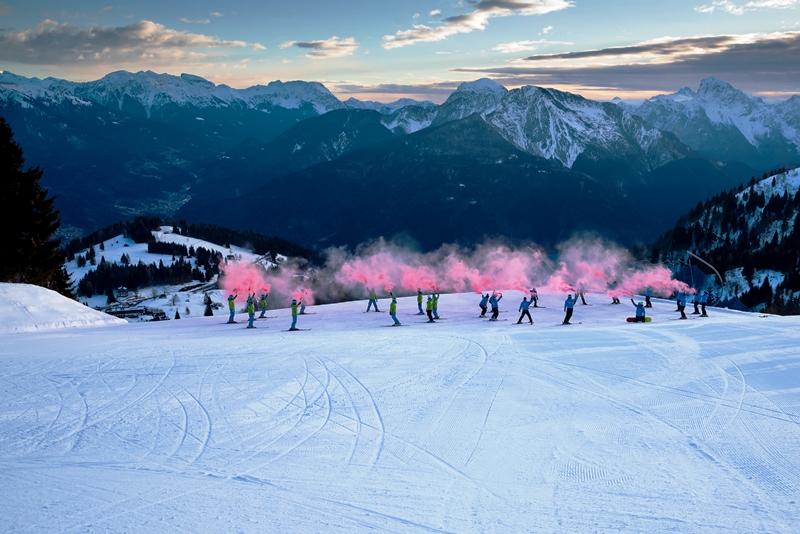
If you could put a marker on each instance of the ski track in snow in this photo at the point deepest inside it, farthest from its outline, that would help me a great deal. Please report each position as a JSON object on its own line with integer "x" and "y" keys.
{"x": 673, "y": 425}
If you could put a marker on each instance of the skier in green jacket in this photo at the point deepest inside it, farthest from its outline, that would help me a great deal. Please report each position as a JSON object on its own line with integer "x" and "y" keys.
{"x": 393, "y": 310}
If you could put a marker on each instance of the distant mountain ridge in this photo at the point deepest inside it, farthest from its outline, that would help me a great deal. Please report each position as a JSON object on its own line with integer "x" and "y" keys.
{"x": 152, "y": 144}
{"x": 724, "y": 123}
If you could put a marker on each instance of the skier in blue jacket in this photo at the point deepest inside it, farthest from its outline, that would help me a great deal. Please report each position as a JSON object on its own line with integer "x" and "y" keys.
{"x": 569, "y": 304}
{"x": 484, "y": 304}
{"x": 682, "y": 304}
{"x": 640, "y": 314}
{"x": 523, "y": 307}
{"x": 703, "y": 301}
{"x": 494, "y": 300}
{"x": 647, "y": 294}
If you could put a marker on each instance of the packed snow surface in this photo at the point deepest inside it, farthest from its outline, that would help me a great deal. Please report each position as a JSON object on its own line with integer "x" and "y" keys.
{"x": 463, "y": 425}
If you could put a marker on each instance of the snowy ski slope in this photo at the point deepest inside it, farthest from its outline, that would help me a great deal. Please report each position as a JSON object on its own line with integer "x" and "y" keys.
{"x": 460, "y": 426}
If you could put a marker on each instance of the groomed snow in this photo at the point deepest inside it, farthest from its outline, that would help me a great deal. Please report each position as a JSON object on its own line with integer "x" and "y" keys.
{"x": 459, "y": 426}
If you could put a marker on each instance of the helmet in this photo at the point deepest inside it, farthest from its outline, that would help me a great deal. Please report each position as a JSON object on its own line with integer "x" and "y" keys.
{"x": 230, "y": 297}
{"x": 569, "y": 296}
{"x": 640, "y": 304}
{"x": 294, "y": 301}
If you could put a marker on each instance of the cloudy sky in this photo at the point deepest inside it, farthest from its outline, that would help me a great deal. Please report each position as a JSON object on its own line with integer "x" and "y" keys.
{"x": 423, "y": 49}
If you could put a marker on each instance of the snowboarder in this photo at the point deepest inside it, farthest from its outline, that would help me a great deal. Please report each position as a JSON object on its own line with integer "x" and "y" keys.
{"x": 494, "y": 301}
{"x": 436, "y": 305}
{"x": 429, "y": 309}
{"x": 523, "y": 307}
{"x": 647, "y": 294}
{"x": 373, "y": 299}
{"x": 569, "y": 304}
{"x": 419, "y": 302}
{"x": 640, "y": 314}
{"x": 251, "y": 310}
{"x": 703, "y": 301}
{"x": 232, "y": 307}
{"x": 263, "y": 304}
{"x": 483, "y": 304}
{"x": 393, "y": 309}
{"x": 294, "y": 315}
{"x": 534, "y": 297}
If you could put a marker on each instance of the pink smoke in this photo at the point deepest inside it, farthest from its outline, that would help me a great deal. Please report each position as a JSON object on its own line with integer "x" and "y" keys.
{"x": 243, "y": 280}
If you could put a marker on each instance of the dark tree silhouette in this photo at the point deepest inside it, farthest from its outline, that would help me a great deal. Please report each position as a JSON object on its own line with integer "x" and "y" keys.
{"x": 31, "y": 255}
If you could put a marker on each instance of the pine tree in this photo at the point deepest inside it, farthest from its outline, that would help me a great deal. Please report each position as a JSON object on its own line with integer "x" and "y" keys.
{"x": 31, "y": 255}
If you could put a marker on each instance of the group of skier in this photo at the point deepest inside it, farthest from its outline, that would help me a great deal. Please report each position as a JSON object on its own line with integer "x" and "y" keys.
{"x": 298, "y": 305}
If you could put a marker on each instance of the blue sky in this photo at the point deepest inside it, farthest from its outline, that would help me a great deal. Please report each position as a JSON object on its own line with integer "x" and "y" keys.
{"x": 418, "y": 48}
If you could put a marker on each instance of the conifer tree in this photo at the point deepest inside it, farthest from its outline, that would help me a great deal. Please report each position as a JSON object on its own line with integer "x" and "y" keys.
{"x": 31, "y": 255}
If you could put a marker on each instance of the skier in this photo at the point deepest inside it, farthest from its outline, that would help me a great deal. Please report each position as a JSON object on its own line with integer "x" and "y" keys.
{"x": 494, "y": 301}
{"x": 429, "y": 309}
{"x": 436, "y": 305}
{"x": 523, "y": 307}
{"x": 569, "y": 304}
{"x": 678, "y": 296}
{"x": 696, "y": 302}
{"x": 263, "y": 304}
{"x": 303, "y": 302}
{"x": 581, "y": 291}
{"x": 373, "y": 299}
{"x": 682, "y": 304}
{"x": 647, "y": 294}
{"x": 251, "y": 310}
{"x": 484, "y": 302}
{"x": 232, "y": 307}
{"x": 612, "y": 289}
{"x": 534, "y": 297}
{"x": 419, "y": 302}
{"x": 703, "y": 301}
{"x": 393, "y": 310}
{"x": 294, "y": 315}
{"x": 640, "y": 314}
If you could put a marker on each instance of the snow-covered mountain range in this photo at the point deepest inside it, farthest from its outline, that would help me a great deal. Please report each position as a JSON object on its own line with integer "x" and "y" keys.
{"x": 145, "y": 143}
{"x": 724, "y": 123}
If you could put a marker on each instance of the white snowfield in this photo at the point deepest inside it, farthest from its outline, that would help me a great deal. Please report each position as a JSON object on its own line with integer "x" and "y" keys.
{"x": 27, "y": 308}
{"x": 460, "y": 426}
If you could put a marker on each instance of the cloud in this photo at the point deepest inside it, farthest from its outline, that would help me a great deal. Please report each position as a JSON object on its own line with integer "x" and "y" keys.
{"x": 477, "y": 19}
{"x": 328, "y": 48}
{"x": 52, "y": 43}
{"x": 435, "y": 13}
{"x": 547, "y": 30}
{"x": 215, "y": 14}
{"x": 727, "y": 6}
{"x": 189, "y": 21}
{"x": 753, "y": 62}
{"x": 434, "y": 91}
{"x": 525, "y": 46}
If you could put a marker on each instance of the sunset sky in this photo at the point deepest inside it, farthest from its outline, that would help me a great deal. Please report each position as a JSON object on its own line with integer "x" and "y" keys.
{"x": 422, "y": 49}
